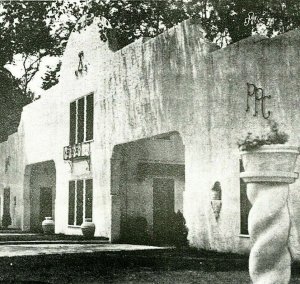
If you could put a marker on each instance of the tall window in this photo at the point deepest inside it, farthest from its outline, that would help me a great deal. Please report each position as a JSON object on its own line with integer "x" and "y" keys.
{"x": 82, "y": 119}
{"x": 80, "y": 201}
{"x": 244, "y": 204}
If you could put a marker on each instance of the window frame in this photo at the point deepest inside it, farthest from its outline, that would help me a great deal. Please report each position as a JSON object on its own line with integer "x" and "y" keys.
{"x": 83, "y": 201}
{"x": 84, "y": 119}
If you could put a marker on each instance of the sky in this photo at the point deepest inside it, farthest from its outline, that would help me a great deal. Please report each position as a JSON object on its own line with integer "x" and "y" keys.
{"x": 35, "y": 85}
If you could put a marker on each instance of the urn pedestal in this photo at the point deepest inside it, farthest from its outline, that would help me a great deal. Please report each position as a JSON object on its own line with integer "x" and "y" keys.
{"x": 268, "y": 173}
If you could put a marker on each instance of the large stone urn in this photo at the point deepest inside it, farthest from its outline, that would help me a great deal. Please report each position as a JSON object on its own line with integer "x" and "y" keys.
{"x": 48, "y": 226}
{"x": 88, "y": 228}
{"x": 268, "y": 172}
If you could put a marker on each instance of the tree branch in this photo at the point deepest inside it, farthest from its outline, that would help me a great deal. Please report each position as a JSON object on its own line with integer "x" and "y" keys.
{"x": 29, "y": 71}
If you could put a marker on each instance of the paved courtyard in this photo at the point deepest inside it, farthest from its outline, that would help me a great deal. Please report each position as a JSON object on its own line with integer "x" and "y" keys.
{"x": 63, "y": 248}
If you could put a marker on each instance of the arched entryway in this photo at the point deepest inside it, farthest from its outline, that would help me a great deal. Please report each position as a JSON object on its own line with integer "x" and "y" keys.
{"x": 147, "y": 188}
{"x": 39, "y": 194}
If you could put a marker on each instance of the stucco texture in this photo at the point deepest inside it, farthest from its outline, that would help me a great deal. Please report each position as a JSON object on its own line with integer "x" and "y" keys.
{"x": 178, "y": 82}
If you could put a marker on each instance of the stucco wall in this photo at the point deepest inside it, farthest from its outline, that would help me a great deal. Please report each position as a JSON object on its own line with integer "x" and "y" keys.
{"x": 11, "y": 162}
{"x": 175, "y": 82}
{"x": 168, "y": 84}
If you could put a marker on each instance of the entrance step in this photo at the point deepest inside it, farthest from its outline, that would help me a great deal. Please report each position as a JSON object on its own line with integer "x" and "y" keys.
{"x": 19, "y": 237}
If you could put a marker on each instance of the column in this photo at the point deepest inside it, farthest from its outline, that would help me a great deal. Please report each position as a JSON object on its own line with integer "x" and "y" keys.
{"x": 269, "y": 226}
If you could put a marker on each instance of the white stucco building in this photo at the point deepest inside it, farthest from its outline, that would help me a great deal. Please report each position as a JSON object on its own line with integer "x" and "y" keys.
{"x": 150, "y": 129}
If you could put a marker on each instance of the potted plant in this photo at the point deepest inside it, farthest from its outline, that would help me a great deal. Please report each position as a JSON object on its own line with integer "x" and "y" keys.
{"x": 267, "y": 155}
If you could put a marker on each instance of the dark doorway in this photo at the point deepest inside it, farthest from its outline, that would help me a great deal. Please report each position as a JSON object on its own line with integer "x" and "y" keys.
{"x": 163, "y": 209}
{"x": 138, "y": 168}
{"x": 6, "y": 218}
{"x": 45, "y": 203}
{"x": 39, "y": 188}
{"x": 6, "y": 201}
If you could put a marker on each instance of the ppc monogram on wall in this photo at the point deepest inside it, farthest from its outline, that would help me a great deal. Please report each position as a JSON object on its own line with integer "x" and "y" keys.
{"x": 259, "y": 97}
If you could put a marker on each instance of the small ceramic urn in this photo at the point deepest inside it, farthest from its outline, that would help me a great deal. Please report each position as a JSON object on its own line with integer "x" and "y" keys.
{"x": 48, "y": 226}
{"x": 88, "y": 228}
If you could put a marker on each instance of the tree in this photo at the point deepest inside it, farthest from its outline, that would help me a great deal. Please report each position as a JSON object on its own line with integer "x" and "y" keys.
{"x": 11, "y": 104}
{"x": 31, "y": 29}
{"x": 51, "y": 77}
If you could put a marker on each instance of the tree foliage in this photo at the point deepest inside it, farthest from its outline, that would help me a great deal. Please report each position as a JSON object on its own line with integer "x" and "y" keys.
{"x": 51, "y": 76}
{"x": 33, "y": 30}
{"x": 11, "y": 103}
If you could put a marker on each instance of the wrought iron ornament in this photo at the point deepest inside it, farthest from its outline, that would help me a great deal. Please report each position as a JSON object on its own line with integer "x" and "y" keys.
{"x": 259, "y": 96}
{"x": 80, "y": 151}
{"x": 81, "y": 67}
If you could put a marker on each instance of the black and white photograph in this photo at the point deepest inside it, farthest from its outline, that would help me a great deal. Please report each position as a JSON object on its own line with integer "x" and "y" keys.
{"x": 150, "y": 141}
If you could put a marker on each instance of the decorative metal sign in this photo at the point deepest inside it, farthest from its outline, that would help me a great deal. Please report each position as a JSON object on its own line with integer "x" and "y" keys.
{"x": 77, "y": 152}
{"x": 259, "y": 97}
{"x": 80, "y": 150}
{"x": 81, "y": 67}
